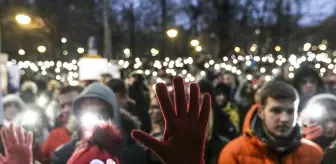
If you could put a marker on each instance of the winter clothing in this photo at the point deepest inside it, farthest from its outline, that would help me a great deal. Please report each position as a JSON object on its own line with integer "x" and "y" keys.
{"x": 223, "y": 89}
{"x": 132, "y": 154}
{"x": 56, "y": 138}
{"x": 329, "y": 156}
{"x": 307, "y": 71}
{"x": 226, "y": 122}
{"x": 321, "y": 104}
{"x": 140, "y": 93}
{"x": 241, "y": 97}
{"x": 64, "y": 152}
{"x": 15, "y": 100}
{"x": 28, "y": 92}
{"x": 104, "y": 93}
{"x": 243, "y": 100}
{"x": 206, "y": 87}
{"x": 95, "y": 90}
{"x": 255, "y": 147}
{"x": 105, "y": 145}
{"x": 7, "y": 100}
{"x": 226, "y": 116}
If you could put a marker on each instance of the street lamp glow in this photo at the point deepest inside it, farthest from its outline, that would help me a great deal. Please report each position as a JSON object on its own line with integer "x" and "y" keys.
{"x": 194, "y": 43}
{"x": 23, "y": 19}
{"x": 257, "y": 31}
{"x": 253, "y": 49}
{"x": 322, "y": 47}
{"x": 80, "y": 50}
{"x": 237, "y": 49}
{"x": 306, "y": 46}
{"x": 41, "y": 49}
{"x": 172, "y": 33}
{"x": 277, "y": 48}
{"x": 64, "y": 40}
{"x": 21, "y": 52}
{"x": 127, "y": 52}
{"x": 65, "y": 52}
{"x": 154, "y": 51}
{"x": 198, "y": 48}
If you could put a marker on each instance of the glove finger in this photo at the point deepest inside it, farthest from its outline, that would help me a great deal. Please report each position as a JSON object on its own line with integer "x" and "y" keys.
{"x": 167, "y": 108}
{"x": 21, "y": 137}
{"x": 312, "y": 129}
{"x": 5, "y": 138}
{"x": 2, "y": 159}
{"x": 194, "y": 101}
{"x": 206, "y": 107}
{"x": 180, "y": 97}
{"x": 148, "y": 141}
{"x": 29, "y": 139}
{"x": 12, "y": 134}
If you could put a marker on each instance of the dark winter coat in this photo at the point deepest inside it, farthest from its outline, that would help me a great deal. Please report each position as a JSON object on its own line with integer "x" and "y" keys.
{"x": 302, "y": 72}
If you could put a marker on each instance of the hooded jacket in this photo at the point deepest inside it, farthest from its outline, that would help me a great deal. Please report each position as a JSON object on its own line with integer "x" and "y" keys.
{"x": 251, "y": 148}
{"x": 121, "y": 118}
{"x": 329, "y": 157}
{"x": 316, "y": 108}
{"x": 302, "y": 72}
{"x": 104, "y": 93}
{"x": 13, "y": 99}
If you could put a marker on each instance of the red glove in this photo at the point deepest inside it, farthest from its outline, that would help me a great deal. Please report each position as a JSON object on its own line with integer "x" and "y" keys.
{"x": 185, "y": 126}
{"x": 18, "y": 146}
{"x": 105, "y": 145}
{"x": 312, "y": 131}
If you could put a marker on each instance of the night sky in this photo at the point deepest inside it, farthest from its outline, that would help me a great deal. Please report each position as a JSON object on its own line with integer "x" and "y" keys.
{"x": 315, "y": 11}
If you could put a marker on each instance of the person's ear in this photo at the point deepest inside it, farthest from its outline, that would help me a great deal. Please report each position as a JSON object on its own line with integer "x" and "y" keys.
{"x": 261, "y": 112}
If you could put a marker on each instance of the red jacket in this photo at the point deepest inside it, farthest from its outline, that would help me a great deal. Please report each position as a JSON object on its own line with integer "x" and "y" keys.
{"x": 56, "y": 138}
{"x": 248, "y": 148}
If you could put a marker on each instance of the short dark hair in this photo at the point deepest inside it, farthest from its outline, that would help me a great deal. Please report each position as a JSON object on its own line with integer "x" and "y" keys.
{"x": 117, "y": 86}
{"x": 68, "y": 89}
{"x": 279, "y": 91}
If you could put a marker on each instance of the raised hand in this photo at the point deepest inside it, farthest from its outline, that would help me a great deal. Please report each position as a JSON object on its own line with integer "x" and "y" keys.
{"x": 312, "y": 131}
{"x": 18, "y": 146}
{"x": 185, "y": 126}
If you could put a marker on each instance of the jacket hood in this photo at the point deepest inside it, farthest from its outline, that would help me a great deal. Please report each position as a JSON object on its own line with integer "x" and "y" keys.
{"x": 305, "y": 71}
{"x": 14, "y": 99}
{"x": 327, "y": 100}
{"x": 252, "y": 128}
{"x": 104, "y": 93}
{"x": 322, "y": 102}
{"x": 240, "y": 98}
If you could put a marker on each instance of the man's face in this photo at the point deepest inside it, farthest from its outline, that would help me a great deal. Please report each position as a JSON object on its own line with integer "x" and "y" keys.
{"x": 329, "y": 124}
{"x": 220, "y": 99}
{"x": 122, "y": 100}
{"x": 65, "y": 101}
{"x": 94, "y": 105}
{"x": 11, "y": 111}
{"x": 279, "y": 118}
{"x": 229, "y": 80}
{"x": 308, "y": 86}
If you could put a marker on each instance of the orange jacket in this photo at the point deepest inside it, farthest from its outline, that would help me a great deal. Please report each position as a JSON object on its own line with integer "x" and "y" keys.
{"x": 249, "y": 149}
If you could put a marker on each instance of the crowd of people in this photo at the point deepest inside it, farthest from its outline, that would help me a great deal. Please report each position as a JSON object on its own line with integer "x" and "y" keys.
{"x": 221, "y": 119}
